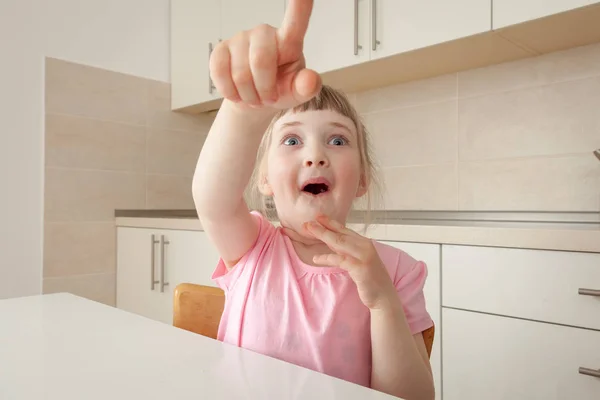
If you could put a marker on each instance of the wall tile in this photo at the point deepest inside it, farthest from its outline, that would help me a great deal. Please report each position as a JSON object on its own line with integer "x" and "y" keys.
{"x": 81, "y": 195}
{"x": 78, "y": 142}
{"x": 421, "y": 188}
{"x": 408, "y": 94}
{"x": 169, "y": 191}
{"x": 569, "y": 183}
{"x": 173, "y": 152}
{"x": 565, "y": 65}
{"x": 418, "y": 135}
{"x": 78, "y": 248}
{"x": 82, "y": 90}
{"x": 96, "y": 287}
{"x": 549, "y": 120}
{"x": 161, "y": 116}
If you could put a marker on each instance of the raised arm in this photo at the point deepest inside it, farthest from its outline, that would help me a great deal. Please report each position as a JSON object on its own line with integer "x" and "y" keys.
{"x": 258, "y": 72}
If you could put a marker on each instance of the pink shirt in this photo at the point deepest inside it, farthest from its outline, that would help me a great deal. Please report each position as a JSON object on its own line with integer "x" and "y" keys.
{"x": 311, "y": 316}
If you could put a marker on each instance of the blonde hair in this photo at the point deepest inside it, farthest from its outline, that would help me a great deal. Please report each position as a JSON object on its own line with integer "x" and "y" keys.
{"x": 333, "y": 100}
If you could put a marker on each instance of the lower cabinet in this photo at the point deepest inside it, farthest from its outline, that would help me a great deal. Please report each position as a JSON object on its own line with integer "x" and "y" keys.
{"x": 498, "y": 358}
{"x": 430, "y": 255}
{"x": 152, "y": 262}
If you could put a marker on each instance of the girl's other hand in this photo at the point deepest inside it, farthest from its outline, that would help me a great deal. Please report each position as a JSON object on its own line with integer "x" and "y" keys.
{"x": 265, "y": 66}
{"x": 357, "y": 255}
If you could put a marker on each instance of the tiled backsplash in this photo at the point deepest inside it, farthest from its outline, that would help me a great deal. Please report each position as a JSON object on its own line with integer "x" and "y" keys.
{"x": 111, "y": 142}
{"x": 515, "y": 136}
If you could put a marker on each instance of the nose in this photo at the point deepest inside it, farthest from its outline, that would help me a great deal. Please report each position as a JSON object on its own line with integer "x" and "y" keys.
{"x": 316, "y": 158}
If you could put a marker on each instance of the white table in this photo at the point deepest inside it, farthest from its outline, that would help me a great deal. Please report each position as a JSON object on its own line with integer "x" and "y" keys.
{"x": 65, "y": 347}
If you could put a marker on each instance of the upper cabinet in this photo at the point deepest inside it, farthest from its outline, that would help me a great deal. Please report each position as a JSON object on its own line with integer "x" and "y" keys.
{"x": 195, "y": 29}
{"x": 239, "y": 15}
{"x": 337, "y": 35}
{"x": 364, "y": 44}
{"x": 511, "y": 12}
{"x": 398, "y": 26}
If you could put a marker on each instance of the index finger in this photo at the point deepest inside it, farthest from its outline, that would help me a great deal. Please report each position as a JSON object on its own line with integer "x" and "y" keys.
{"x": 295, "y": 21}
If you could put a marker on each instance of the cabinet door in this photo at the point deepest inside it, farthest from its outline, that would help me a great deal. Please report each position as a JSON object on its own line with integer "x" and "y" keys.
{"x": 337, "y": 35}
{"x": 135, "y": 250}
{"x": 497, "y": 358}
{"x": 195, "y": 29}
{"x": 405, "y": 25}
{"x": 239, "y": 15}
{"x": 189, "y": 257}
{"x": 510, "y": 12}
{"x": 430, "y": 255}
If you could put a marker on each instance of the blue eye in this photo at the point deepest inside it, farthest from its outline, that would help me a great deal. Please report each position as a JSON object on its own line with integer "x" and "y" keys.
{"x": 338, "y": 141}
{"x": 291, "y": 141}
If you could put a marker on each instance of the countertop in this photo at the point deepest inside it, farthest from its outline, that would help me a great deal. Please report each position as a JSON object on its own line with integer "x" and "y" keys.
{"x": 569, "y": 231}
{"x": 61, "y": 346}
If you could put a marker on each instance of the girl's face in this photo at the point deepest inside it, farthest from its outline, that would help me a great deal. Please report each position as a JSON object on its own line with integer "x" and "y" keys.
{"x": 313, "y": 166}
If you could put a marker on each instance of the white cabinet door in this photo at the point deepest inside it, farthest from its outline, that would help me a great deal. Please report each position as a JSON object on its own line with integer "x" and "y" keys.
{"x": 240, "y": 15}
{"x": 499, "y": 358}
{"x": 135, "y": 270}
{"x": 195, "y": 29}
{"x": 338, "y": 35}
{"x": 541, "y": 285}
{"x": 405, "y": 25}
{"x": 430, "y": 255}
{"x": 179, "y": 257}
{"x": 510, "y": 12}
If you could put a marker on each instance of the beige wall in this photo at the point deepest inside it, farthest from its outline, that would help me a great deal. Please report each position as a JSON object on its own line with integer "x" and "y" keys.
{"x": 516, "y": 136}
{"x": 111, "y": 142}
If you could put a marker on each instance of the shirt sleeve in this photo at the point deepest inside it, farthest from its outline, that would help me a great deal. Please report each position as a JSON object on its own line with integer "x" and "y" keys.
{"x": 226, "y": 279}
{"x": 409, "y": 282}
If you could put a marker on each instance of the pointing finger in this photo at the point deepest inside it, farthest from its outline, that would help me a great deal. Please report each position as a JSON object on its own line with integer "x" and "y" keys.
{"x": 295, "y": 21}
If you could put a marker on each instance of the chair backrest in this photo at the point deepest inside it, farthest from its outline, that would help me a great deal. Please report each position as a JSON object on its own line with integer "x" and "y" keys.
{"x": 198, "y": 308}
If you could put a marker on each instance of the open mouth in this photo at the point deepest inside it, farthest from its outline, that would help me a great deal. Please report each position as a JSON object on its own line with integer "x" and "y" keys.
{"x": 315, "y": 188}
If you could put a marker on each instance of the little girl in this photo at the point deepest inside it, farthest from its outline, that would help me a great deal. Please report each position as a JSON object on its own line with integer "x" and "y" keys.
{"x": 311, "y": 292}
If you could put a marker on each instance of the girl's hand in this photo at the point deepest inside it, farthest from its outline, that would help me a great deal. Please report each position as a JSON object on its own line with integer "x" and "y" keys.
{"x": 357, "y": 255}
{"x": 265, "y": 66}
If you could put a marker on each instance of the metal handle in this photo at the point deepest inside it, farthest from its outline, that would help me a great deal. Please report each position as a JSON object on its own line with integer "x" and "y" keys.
{"x": 591, "y": 372}
{"x": 589, "y": 292}
{"x": 163, "y": 243}
{"x": 356, "y": 45}
{"x": 374, "y": 40}
{"x": 152, "y": 261}
{"x": 211, "y": 86}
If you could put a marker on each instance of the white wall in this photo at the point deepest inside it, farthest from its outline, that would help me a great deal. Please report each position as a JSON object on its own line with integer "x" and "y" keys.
{"x": 130, "y": 36}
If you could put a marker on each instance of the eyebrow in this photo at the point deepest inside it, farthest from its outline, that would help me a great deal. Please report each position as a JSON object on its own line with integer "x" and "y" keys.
{"x": 335, "y": 124}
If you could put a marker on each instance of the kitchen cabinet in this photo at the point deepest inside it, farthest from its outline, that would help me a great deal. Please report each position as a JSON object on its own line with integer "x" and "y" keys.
{"x": 541, "y": 285}
{"x": 511, "y": 12}
{"x": 430, "y": 255}
{"x": 338, "y": 35}
{"x": 239, "y": 15}
{"x": 399, "y": 26}
{"x": 195, "y": 30}
{"x": 497, "y": 358}
{"x": 152, "y": 262}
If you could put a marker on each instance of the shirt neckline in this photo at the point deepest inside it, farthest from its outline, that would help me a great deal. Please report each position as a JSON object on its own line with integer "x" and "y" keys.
{"x": 313, "y": 269}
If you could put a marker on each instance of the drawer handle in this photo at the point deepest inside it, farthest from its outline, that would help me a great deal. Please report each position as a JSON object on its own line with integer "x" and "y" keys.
{"x": 589, "y": 292}
{"x": 591, "y": 372}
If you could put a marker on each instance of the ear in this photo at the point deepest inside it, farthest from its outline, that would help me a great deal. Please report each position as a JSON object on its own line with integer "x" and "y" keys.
{"x": 264, "y": 187}
{"x": 363, "y": 185}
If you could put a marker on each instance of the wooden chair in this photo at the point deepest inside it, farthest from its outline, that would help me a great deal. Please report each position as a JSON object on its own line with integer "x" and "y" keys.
{"x": 198, "y": 309}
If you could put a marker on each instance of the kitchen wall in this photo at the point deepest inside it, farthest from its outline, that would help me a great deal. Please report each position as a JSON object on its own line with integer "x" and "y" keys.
{"x": 125, "y": 36}
{"x": 515, "y": 136}
{"x": 112, "y": 142}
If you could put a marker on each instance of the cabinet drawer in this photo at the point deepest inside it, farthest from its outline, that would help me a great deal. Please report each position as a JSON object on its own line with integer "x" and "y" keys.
{"x": 496, "y": 358}
{"x": 533, "y": 284}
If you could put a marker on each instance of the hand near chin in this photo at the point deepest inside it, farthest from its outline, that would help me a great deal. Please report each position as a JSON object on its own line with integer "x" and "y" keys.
{"x": 357, "y": 255}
